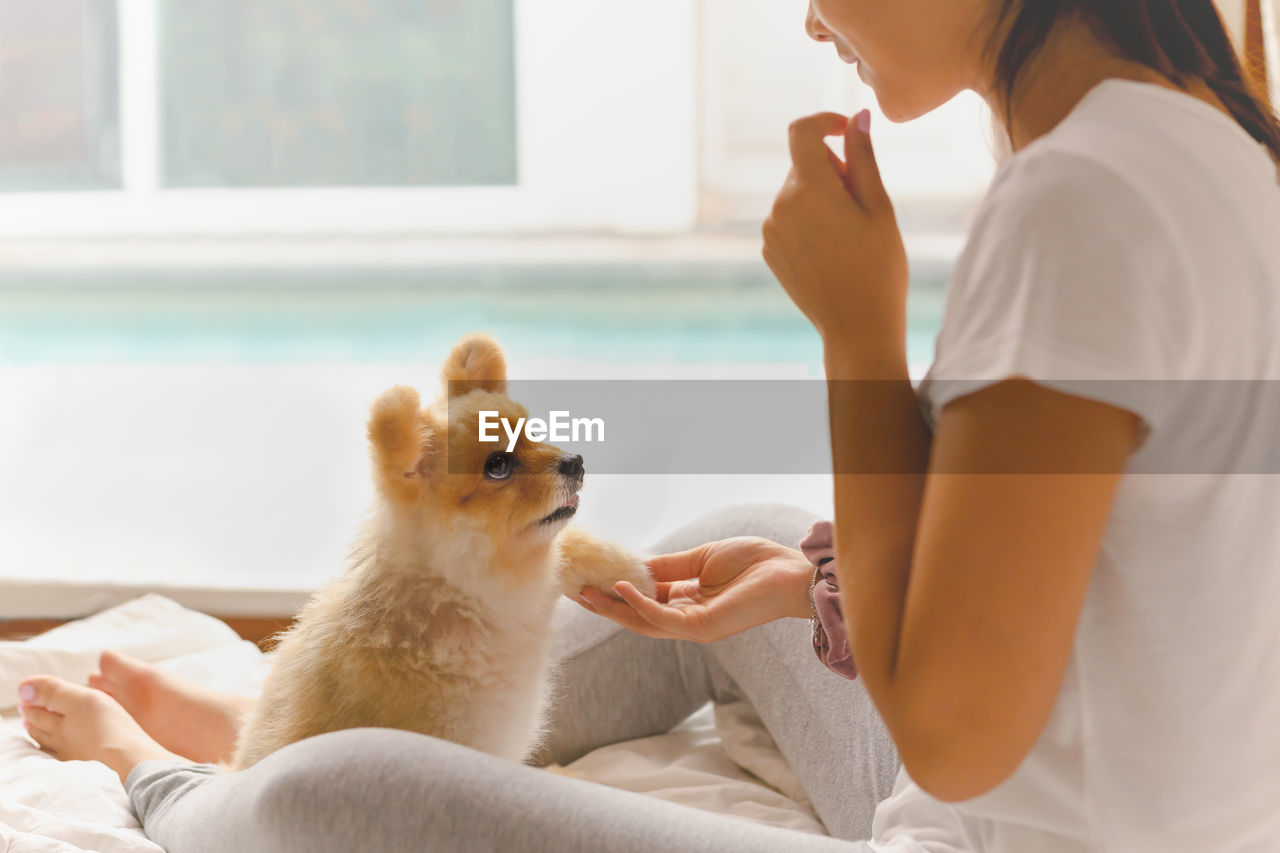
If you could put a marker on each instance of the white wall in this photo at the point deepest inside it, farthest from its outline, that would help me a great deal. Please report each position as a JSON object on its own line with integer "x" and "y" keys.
{"x": 761, "y": 71}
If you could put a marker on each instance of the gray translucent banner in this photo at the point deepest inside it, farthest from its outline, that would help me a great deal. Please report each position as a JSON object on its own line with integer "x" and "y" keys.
{"x": 781, "y": 427}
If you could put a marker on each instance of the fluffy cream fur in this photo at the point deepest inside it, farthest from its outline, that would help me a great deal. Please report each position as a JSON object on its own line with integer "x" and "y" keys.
{"x": 441, "y": 623}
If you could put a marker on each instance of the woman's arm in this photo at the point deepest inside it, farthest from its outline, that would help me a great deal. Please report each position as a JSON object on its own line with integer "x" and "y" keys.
{"x": 961, "y": 590}
{"x": 962, "y": 566}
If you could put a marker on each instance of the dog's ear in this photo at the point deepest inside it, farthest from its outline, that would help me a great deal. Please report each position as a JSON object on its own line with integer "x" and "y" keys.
{"x": 401, "y": 435}
{"x": 475, "y": 363}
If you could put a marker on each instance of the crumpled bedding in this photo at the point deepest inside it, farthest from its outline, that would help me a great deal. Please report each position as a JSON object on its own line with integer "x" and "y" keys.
{"x": 720, "y": 759}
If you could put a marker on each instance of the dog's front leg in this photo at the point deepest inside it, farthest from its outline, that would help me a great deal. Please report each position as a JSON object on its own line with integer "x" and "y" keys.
{"x": 587, "y": 561}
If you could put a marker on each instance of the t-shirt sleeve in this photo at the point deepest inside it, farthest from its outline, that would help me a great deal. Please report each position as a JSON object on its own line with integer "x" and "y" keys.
{"x": 1069, "y": 279}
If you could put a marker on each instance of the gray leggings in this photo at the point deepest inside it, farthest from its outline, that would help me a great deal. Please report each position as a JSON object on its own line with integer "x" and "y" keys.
{"x": 389, "y": 790}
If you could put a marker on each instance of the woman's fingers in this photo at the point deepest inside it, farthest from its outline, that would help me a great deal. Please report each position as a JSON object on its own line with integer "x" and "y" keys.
{"x": 862, "y": 176}
{"x": 809, "y": 152}
{"x": 837, "y": 164}
{"x": 643, "y": 615}
{"x": 622, "y": 613}
{"x": 678, "y": 566}
{"x": 671, "y": 620}
{"x": 662, "y": 590}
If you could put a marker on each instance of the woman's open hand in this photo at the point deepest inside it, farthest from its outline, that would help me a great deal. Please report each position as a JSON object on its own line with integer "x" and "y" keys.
{"x": 712, "y": 591}
{"x": 832, "y": 239}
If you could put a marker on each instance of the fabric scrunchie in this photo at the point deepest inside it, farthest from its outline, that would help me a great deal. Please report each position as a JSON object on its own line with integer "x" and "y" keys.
{"x": 830, "y": 637}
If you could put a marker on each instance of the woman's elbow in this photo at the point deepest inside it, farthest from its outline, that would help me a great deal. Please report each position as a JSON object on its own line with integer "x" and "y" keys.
{"x": 953, "y": 762}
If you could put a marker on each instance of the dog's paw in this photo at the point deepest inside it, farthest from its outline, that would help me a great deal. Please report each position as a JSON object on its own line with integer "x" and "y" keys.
{"x": 586, "y": 561}
{"x": 631, "y": 569}
{"x": 639, "y": 576}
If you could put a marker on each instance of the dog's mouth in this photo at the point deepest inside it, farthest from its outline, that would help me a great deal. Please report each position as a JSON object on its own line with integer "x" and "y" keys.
{"x": 564, "y": 511}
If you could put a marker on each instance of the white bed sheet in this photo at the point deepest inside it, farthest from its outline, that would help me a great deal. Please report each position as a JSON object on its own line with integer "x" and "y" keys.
{"x": 721, "y": 759}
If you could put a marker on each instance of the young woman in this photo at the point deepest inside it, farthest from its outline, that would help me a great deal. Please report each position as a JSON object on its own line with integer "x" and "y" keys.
{"x": 1058, "y": 563}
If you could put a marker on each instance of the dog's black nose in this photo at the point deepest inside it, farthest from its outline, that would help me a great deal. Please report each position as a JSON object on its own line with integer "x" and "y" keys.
{"x": 571, "y": 466}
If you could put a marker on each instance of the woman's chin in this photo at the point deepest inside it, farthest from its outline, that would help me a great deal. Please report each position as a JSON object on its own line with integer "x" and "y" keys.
{"x": 882, "y": 100}
{"x": 895, "y": 108}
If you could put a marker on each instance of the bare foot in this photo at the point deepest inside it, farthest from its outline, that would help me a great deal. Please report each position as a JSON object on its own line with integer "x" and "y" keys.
{"x": 194, "y": 722}
{"x": 75, "y": 723}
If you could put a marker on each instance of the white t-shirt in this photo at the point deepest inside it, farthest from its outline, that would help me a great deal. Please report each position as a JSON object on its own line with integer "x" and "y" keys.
{"x": 1131, "y": 250}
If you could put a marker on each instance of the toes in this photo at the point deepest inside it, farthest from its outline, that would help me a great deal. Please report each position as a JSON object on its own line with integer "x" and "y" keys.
{"x": 42, "y": 738}
{"x": 52, "y": 693}
{"x": 124, "y": 677}
{"x": 45, "y": 691}
{"x": 115, "y": 666}
{"x": 43, "y": 726}
{"x": 40, "y": 718}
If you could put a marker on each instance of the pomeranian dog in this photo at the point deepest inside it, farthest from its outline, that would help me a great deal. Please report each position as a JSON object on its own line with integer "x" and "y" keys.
{"x": 441, "y": 623}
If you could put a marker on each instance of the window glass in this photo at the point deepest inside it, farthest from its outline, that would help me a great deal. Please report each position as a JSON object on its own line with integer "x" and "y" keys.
{"x": 288, "y": 93}
{"x": 59, "y": 108}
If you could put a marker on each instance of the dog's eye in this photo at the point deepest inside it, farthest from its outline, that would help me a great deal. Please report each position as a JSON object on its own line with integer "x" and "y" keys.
{"x": 499, "y": 466}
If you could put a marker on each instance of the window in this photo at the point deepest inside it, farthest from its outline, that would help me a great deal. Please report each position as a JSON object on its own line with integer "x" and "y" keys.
{"x": 59, "y": 116}
{"x": 287, "y": 93}
{"x": 323, "y": 116}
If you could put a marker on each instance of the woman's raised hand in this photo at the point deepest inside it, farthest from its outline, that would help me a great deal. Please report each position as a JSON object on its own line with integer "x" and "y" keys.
{"x": 832, "y": 239}
{"x": 712, "y": 591}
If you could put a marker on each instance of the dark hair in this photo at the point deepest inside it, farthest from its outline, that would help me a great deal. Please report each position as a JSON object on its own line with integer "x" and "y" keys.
{"x": 1184, "y": 40}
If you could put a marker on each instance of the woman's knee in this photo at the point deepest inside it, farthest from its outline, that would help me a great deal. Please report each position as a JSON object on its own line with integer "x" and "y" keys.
{"x": 347, "y": 790}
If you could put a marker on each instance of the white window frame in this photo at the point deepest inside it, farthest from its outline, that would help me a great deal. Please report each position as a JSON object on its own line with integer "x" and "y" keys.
{"x": 606, "y": 140}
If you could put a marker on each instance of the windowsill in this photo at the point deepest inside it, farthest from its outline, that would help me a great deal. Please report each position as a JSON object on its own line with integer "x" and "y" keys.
{"x": 24, "y": 599}
{"x": 338, "y": 251}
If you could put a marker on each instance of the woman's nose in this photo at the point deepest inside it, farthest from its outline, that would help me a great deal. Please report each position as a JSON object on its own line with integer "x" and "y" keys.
{"x": 814, "y": 27}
